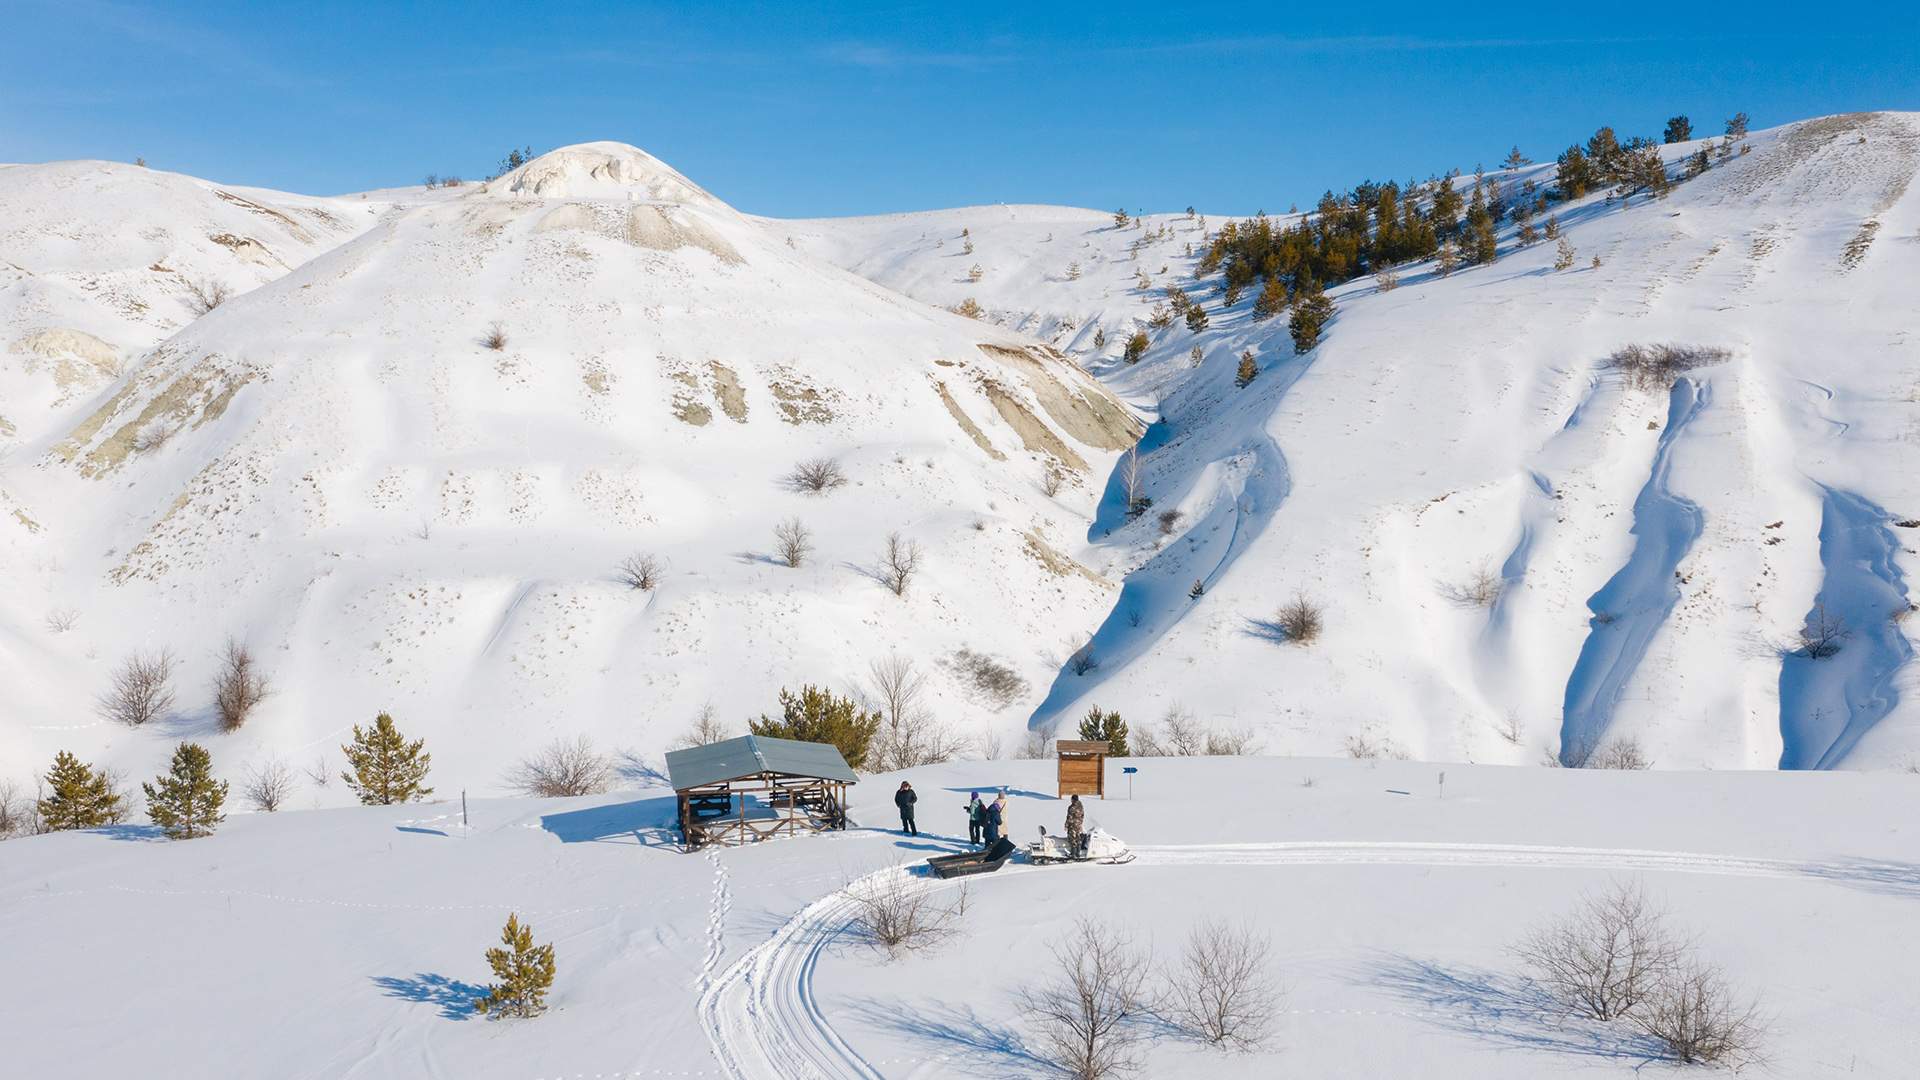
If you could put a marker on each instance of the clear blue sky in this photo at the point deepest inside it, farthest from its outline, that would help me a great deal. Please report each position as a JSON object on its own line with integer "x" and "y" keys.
{"x": 798, "y": 110}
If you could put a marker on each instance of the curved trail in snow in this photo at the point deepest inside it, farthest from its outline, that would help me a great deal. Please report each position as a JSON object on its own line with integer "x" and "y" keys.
{"x": 764, "y": 1021}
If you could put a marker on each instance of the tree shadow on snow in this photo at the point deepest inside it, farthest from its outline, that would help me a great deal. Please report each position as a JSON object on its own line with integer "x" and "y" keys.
{"x": 133, "y": 833}
{"x": 1500, "y": 1008}
{"x": 453, "y": 997}
{"x": 644, "y": 822}
{"x": 1872, "y": 875}
{"x": 959, "y": 1035}
{"x": 1267, "y": 630}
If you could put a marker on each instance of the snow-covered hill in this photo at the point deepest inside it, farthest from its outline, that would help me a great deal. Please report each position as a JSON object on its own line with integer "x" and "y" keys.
{"x": 1656, "y": 554}
{"x": 340, "y": 469}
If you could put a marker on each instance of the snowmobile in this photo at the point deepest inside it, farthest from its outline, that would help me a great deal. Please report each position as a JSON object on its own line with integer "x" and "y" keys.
{"x": 1097, "y": 845}
{"x": 968, "y": 863}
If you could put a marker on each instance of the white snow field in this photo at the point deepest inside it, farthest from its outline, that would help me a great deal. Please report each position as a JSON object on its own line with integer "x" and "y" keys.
{"x": 348, "y": 942}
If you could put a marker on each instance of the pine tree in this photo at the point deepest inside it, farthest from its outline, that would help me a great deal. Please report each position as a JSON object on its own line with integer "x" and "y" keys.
{"x": 1679, "y": 129}
{"x": 186, "y": 802}
{"x": 1563, "y": 254}
{"x": 1574, "y": 176}
{"x": 1196, "y": 356}
{"x": 1482, "y": 241}
{"x": 1120, "y": 219}
{"x": 1515, "y": 159}
{"x": 1272, "y": 299}
{"x": 524, "y": 971}
{"x": 1230, "y": 293}
{"x": 817, "y": 715}
{"x": 1553, "y": 228}
{"x": 1737, "y": 126}
{"x": 1248, "y": 371}
{"x": 1136, "y": 347}
{"x": 1100, "y": 337}
{"x": 78, "y": 797}
{"x": 1698, "y": 163}
{"x": 1447, "y": 257}
{"x": 1311, "y": 311}
{"x": 976, "y": 273}
{"x": 1196, "y": 318}
{"x": 1073, "y": 271}
{"x": 966, "y": 248}
{"x": 1106, "y": 727}
{"x": 386, "y": 769}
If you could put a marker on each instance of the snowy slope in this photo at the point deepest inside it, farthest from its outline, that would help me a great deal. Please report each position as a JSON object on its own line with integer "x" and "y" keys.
{"x": 97, "y": 263}
{"x": 337, "y": 469}
{"x": 348, "y": 942}
{"x": 1468, "y": 423}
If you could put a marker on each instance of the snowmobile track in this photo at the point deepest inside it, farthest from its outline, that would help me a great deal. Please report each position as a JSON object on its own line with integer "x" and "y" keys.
{"x": 765, "y": 1023}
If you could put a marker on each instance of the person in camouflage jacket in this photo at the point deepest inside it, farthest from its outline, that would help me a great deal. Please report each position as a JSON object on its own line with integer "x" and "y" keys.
{"x": 1076, "y": 824}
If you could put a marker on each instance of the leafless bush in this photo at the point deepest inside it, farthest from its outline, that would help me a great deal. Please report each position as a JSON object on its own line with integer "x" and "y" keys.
{"x": 1695, "y": 1015}
{"x": 707, "y": 729}
{"x": 1621, "y": 752}
{"x": 895, "y": 911}
{"x": 1050, "y": 482}
{"x": 1222, "y": 992}
{"x": 19, "y": 813}
{"x": 61, "y": 620}
{"x": 140, "y": 689}
{"x": 319, "y": 772}
{"x": 640, "y": 571}
{"x": 238, "y": 687}
{"x": 910, "y": 734}
{"x": 1481, "y": 589}
{"x": 899, "y": 559}
{"x": 992, "y": 682}
{"x": 1083, "y": 659}
{"x": 1824, "y": 632}
{"x": 1605, "y": 958}
{"x": 1088, "y": 1014}
{"x": 1510, "y": 728}
{"x": 1169, "y": 520}
{"x": 1387, "y": 277}
{"x": 495, "y": 338}
{"x": 267, "y": 785}
{"x": 156, "y": 434}
{"x": 1654, "y": 367}
{"x": 792, "y": 541}
{"x": 816, "y": 475}
{"x": 1037, "y": 746}
{"x": 204, "y": 296}
{"x": 1232, "y": 742}
{"x": 566, "y": 767}
{"x": 1300, "y": 620}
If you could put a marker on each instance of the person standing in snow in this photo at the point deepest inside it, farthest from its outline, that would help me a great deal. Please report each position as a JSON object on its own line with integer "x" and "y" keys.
{"x": 1076, "y": 821}
{"x": 976, "y": 819}
{"x": 904, "y": 799}
{"x": 996, "y": 819}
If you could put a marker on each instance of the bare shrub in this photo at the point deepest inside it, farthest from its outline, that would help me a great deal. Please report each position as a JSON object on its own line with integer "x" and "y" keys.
{"x": 267, "y": 785}
{"x": 1481, "y": 589}
{"x": 61, "y": 620}
{"x": 1694, "y": 1014}
{"x": 19, "y": 812}
{"x": 1169, "y": 520}
{"x": 1654, "y": 367}
{"x": 495, "y": 338}
{"x": 1824, "y": 632}
{"x": 319, "y": 772}
{"x": 1232, "y": 742}
{"x": 1083, "y": 659}
{"x": 564, "y": 768}
{"x": 141, "y": 690}
{"x": 707, "y": 729}
{"x": 1050, "y": 482}
{"x": 155, "y": 434}
{"x": 1088, "y": 1014}
{"x": 816, "y": 475}
{"x": 203, "y": 296}
{"x": 793, "y": 542}
{"x": 1222, "y": 991}
{"x": 895, "y": 911}
{"x": 239, "y": 686}
{"x": 640, "y": 571}
{"x": 992, "y": 682}
{"x": 1387, "y": 277}
{"x": 1300, "y": 620}
{"x": 1510, "y": 728}
{"x": 1037, "y": 746}
{"x": 899, "y": 560}
{"x": 1621, "y": 752}
{"x": 1606, "y": 957}
{"x": 910, "y": 734}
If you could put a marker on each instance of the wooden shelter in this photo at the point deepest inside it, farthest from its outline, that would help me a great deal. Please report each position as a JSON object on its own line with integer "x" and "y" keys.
{"x": 1083, "y": 767}
{"x": 756, "y": 787}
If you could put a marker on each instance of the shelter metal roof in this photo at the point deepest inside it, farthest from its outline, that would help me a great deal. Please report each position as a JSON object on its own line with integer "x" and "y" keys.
{"x": 751, "y": 755}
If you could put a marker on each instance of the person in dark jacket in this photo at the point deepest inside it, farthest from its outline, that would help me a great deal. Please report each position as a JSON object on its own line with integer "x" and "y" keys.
{"x": 976, "y": 819}
{"x": 996, "y": 819}
{"x": 1076, "y": 826}
{"x": 904, "y": 799}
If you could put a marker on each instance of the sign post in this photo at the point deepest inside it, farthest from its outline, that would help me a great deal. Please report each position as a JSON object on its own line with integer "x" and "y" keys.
{"x": 1129, "y": 771}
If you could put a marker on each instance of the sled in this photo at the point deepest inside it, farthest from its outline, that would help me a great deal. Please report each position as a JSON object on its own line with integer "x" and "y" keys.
{"x": 972, "y": 862}
{"x": 1096, "y": 846}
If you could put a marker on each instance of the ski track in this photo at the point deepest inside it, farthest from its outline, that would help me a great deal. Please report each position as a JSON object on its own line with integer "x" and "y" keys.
{"x": 765, "y": 1022}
